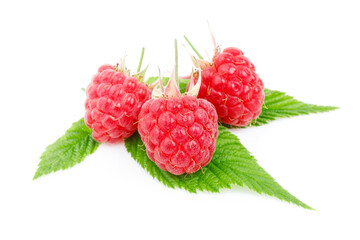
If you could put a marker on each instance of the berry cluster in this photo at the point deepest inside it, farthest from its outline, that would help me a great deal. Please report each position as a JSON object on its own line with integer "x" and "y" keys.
{"x": 179, "y": 130}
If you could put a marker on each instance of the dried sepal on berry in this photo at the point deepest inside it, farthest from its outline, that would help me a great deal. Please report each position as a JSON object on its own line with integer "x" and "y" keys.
{"x": 194, "y": 83}
{"x": 172, "y": 88}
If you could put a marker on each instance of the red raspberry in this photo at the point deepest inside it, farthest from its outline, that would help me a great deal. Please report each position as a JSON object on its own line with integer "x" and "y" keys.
{"x": 179, "y": 133}
{"x": 113, "y": 103}
{"x": 233, "y": 86}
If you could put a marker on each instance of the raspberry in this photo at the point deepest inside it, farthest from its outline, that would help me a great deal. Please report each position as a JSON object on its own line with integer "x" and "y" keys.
{"x": 113, "y": 103}
{"x": 179, "y": 133}
{"x": 233, "y": 86}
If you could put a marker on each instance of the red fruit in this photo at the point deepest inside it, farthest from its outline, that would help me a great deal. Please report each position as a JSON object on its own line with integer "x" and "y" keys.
{"x": 233, "y": 86}
{"x": 113, "y": 103}
{"x": 179, "y": 133}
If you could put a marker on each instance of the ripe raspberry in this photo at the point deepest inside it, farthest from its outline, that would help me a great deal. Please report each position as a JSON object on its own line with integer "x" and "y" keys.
{"x": 113, "y": 103}
{"x": 233, "y": 86}
{"x": 179, "y": 132}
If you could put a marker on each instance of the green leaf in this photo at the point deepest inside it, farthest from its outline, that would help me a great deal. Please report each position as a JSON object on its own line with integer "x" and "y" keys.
{"x": 182, "y": 85}
{"x": 279, "y": 105}
{"x": 276, "y": 105}
{"x": 141, "y": 75}
{"x": 151, "y": 80}
{"x": 231, "y": 165}
{"x": 68, "y": 150}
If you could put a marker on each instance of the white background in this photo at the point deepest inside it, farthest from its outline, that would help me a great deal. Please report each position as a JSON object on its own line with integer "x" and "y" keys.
{"x": 49, "y": 50}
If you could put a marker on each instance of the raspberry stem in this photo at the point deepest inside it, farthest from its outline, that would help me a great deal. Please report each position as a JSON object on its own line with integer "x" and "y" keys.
{"x": 193, "y": 48}
{"x": 176, "y": 64}
{"x": 141, "y": 59}
{"x": 212, "y": 36}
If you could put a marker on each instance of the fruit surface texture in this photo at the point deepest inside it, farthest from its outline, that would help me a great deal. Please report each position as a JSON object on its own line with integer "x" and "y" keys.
{"x": 233, "y": 86}
{"x": 179, "y": 133}
{"x": 113, "y": 104}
